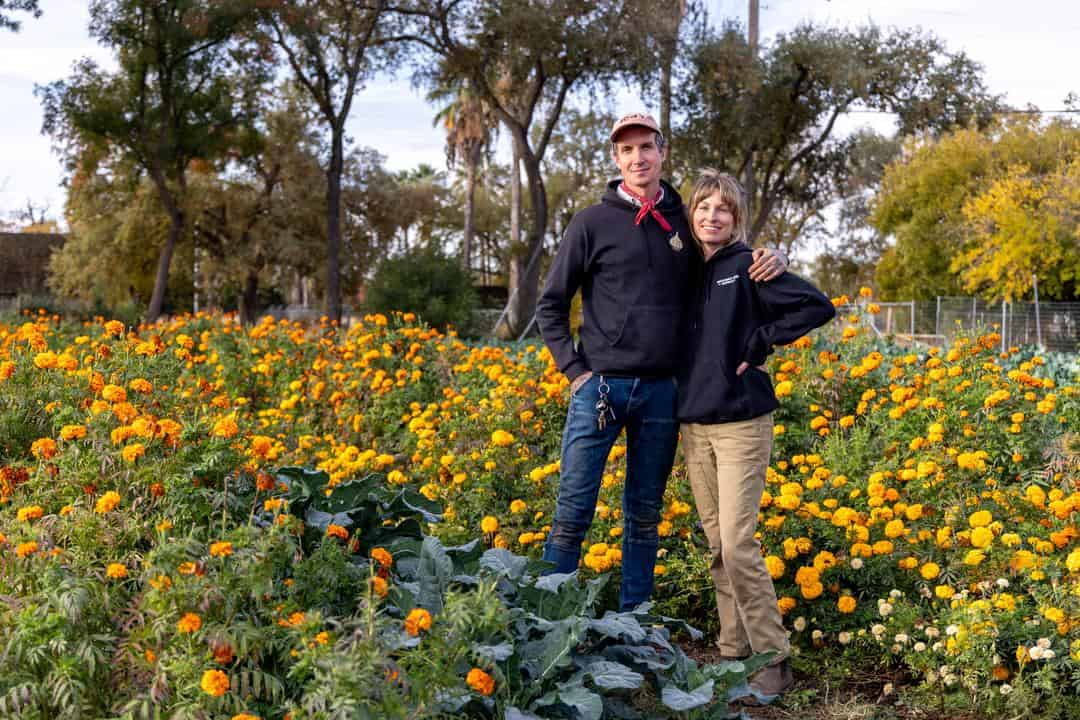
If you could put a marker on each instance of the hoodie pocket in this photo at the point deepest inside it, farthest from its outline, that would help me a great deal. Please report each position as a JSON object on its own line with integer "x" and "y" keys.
{"x": 649, "y": 337}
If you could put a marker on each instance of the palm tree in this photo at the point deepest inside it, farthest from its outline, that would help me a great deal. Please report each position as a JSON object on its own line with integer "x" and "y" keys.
{"x": 470, "y": 125}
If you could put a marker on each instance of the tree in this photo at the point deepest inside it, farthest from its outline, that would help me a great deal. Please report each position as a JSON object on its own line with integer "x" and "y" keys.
{"x": 939, "y": 249}
{"x": 776, "y": 115}
{"x": 169, "y": 103}
{"x": 524, "y": 58}
{"x": 9, "y": 6}
{"x": 470, "y": 125}
{"x": 330, "y": 47}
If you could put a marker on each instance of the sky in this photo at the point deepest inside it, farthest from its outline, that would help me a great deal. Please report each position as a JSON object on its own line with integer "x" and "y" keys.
{"x": 1029, "y": 52}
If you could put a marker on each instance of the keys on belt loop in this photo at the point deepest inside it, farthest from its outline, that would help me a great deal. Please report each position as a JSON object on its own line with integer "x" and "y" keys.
{"x": 603, "y": 407}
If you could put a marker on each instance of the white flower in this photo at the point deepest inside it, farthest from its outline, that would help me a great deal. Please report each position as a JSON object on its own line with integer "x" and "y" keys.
{"x": 884, "y": 609}
{"x": 1042, "y": 642}
{"x": 931, "y": 677}
{"x": 1036, "y": 652}
{"x": 844, "y": 638}
{"x": 878, "y": 630}
{"x": 1006, "y": 688}
{"x": 932, "y": 632}
{"x": 800, "y": 623}
{"x": 895, "y": 594}
{"x": 952, "y": 630}
{"x": 856, "y": 563}
{"x": 816, "y": 635}
{"x": 919, "y": 646}
{"x": 938, "y": 646}
{"x": 896, "y": 648}
{"x": 888, "y": 689}
{"x": 1003, "y": 583}
{"x": 950, "y": 679}
{"x": 1047, "y": 654}
{"x": 901, "y": 638}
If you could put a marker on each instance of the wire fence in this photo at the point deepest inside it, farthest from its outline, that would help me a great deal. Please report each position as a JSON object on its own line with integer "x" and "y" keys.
{"x": 1051, "y": 325}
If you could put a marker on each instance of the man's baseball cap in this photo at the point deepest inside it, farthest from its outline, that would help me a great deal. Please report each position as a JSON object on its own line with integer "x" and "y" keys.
{"x": 643, "y": 120}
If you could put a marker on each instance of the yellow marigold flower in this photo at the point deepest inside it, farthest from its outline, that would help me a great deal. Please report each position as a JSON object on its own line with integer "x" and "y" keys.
{"x": 189, "y": 623}
{"x": 944, "y": 592}
{"x": 337, "y": 531}
{"x": 981, "y": 518}
{"x": 29, "y": 513}
{"x": 116, "y": 571}
{"x": 107, "y": 502}
{"x": 221, "y": 549}
{"x": 775, "y": 566}
{"x": 489, "y": 524}
{"x": 930, "y": 570}
{"x": 133, "y": 452}
{"x": 518, "y": 506}
{"x": 215, "y": 683}
{"x": 846, "y": 604}
{"x": 417, "y": 621}
{"x": 114, "y": 393}
{"x": 783, "y": 389}
{"x": 480, "y": 681}
{"x": 1073, "y": 561}
{"x": 73, "y": 432}
{"x": 812, "y": 590}
{"x": 981, "y": 537}
{"x": 974, "y": 557}
{"x": 895, "y": 528}
{"x": 501, "y": 438}
{"x": 786, "y": 604}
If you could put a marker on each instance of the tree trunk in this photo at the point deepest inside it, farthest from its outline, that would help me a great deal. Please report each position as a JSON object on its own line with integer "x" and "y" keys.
{"x": 515, "y": 196}
{"x": 249, "y": 301}
{"x": 472, "y": 159}
{"x": 161, "y": 280}
{"x": 525, "y": 263}
{"x": 332, "y": 304}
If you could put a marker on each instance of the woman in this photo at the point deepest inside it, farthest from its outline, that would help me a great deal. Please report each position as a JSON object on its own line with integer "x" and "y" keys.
{"x": 725, "y": 407}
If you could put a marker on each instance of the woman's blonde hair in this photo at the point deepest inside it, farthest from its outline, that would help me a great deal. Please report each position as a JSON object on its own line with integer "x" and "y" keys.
{"x": 710, "y": 181}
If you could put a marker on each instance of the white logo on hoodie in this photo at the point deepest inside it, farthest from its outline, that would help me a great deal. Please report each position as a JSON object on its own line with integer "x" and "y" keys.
{"x": 727, "y": 280}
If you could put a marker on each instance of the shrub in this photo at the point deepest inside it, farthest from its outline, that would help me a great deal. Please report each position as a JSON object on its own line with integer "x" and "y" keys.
{"x": 426, "y": 282}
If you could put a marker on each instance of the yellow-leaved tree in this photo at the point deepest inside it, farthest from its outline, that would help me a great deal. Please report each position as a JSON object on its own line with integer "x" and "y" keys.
{"x": 1024, "y": 225}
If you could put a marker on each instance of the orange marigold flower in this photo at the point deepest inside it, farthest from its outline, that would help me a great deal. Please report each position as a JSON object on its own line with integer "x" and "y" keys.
{"x": 264, "y": 482}
{"x": 215, "y": 683}
{"x": 221, "y": 549}
{"x": 141, "y": 385}
{"x": 114, "y": 327}
{"x": 107, "y": 502}
{"x": 245, "y": 716}
{"x": 379, "y": 586}
{"x": 189, "y": 623}
{"x": 116, "y": 571}
{"x": 480, "y": 681}
{"x": 382, "y": 556}
{"x": 73, "y": 432}
{"x": 30, "y": 512}
{"x": 114, "y": 393}
{"x": 223, "y": 652}
{"x": 26, "y": 548}
{"x": 43, "y": 448}
{"x": 133, "y": 452}
{"x": 418, "y": 620}
{"x": 337, "y": 531}
{"x": 226, "y": 427}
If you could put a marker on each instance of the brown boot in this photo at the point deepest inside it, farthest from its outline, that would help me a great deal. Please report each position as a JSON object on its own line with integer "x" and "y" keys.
{"x": 773, "y": 680}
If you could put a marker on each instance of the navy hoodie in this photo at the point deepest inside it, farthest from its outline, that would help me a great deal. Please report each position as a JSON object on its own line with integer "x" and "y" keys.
{"x": 738, "y": 320}
{"x": 634, "y": 281}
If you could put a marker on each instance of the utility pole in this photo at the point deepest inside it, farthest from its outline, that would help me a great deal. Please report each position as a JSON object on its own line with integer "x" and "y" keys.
{"x": 752, "y": 43}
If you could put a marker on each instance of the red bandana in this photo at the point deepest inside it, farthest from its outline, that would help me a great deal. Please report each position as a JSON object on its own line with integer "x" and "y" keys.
{"x": 648, "y": 207}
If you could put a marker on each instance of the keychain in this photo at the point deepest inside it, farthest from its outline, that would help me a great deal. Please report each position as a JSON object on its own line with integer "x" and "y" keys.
{"x": 603, "y": 408}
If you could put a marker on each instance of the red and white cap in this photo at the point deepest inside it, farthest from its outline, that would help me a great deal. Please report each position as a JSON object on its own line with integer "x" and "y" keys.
{"x": 643, "y": 120}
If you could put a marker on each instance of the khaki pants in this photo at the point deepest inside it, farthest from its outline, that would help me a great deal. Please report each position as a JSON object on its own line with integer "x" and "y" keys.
{"x": 726, "y": 463}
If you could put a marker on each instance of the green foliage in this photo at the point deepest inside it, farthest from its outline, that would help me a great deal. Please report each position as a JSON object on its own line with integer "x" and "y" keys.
{"x": 981, "y": 210}
{"x": 425, "y": 282}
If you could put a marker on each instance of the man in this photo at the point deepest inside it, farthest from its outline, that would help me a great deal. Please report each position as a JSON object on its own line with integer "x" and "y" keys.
{"x": 633, "y": 258}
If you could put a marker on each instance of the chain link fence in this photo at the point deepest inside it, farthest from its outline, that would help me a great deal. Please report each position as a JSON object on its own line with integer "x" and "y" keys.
{"x": 1051, "y": 325}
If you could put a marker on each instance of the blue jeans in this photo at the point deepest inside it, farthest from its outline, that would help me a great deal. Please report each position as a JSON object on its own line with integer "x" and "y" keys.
{"x": 646, "y": 408}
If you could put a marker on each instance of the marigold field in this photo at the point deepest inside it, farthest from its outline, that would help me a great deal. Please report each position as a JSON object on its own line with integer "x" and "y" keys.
{"x": 204, "y": 520}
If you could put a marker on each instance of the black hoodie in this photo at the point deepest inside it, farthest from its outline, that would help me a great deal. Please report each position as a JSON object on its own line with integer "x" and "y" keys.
{"x": 738, "y": 320}
{"x": 634, "y": 281}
